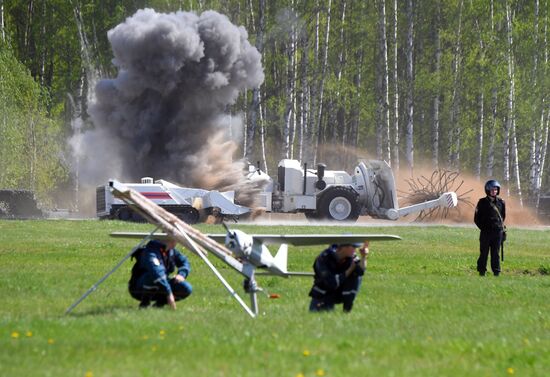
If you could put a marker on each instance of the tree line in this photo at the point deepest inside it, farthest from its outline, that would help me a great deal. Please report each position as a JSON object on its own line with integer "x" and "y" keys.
{"x": 459, "y": 84}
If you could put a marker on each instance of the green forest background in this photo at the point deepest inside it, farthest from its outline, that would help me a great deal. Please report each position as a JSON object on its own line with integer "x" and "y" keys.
{"x": 455, "y": 84}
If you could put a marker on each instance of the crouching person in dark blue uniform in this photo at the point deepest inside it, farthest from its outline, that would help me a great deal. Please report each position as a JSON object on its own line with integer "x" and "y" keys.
{"x": 150, "y": 281}
{"x": 338, "y": 275}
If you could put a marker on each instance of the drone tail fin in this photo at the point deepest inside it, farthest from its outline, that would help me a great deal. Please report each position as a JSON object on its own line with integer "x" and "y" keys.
{"x": 280, "y": 259}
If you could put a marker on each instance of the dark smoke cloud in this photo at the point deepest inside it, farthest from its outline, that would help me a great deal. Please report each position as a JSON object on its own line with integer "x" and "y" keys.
{"x": 164, "y": 114}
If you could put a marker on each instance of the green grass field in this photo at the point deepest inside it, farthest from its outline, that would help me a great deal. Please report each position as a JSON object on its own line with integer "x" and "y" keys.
{"x": 422, "y": 310}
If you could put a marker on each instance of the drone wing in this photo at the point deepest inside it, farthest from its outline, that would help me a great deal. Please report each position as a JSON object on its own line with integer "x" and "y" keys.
{"x": 322, "y": 239}
{"x": 292, "y": 239}
{"x": 161, "y": 236}
{"x": 157, "y": 236}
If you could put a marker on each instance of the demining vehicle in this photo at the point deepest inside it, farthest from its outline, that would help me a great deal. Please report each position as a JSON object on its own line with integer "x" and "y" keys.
{"x": 189, "y": 204}
{"x": 336, "y": 195}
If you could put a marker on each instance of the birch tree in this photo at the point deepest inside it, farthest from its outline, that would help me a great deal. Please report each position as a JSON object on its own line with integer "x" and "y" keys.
{"x": 494, "y": 102}
{"x": 491, "y": 146}
{"x": 481, "y": 96}
{"x": 304, "y": 96}
{"x": 356, "y": 93}
{"x": 339, "y": 123}
{"x": 324, "y": 68}
{"x": 43, "y": 45}
{"x": 28, "y": 42}
{"x": 257, "y": 91}
{"x": 538, "y": 128}
{"x": 395, "y": 148}
{"x": 409, "y": 132}
{"x": 289, "y": 115}
{"x": 510, "y": 122}
{"x": 254, "y": 111}
{"x": 2, "y": 32}
{"x": 355, "y": 113}
{"x": 437, "y": 97}
{"x": 534, "y": 142}
{"x": 480, "y": 131}
{"x": 455, "y": 128}
{"x": 310, "y": 149}
{"x": 544, "y": 119}
{"x": 383, "y": 150}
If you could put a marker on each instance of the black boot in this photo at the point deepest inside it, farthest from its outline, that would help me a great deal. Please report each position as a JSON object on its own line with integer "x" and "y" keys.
{"x": 348, "y": 306}
{"x": 160, "y": 302}
{"x": 144, "y": 304}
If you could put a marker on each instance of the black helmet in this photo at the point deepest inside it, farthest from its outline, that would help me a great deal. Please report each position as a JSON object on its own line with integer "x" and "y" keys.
{"x": 491, "y": 184}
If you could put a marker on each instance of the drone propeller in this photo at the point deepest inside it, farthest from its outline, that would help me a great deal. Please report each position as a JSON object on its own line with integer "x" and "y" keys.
{"x": 230, "y": 233}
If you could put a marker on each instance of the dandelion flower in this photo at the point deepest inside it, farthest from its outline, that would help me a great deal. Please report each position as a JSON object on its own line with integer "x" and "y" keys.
{"x": 320, "y": 372}
{"x": 51, "y": 341}
{"x": 510, "y": 370}
{"x": 162, "y": 332}
{"x": 15, "y": 335}
{"x": 29, "y": 334}
{"x": 300, "y": 374}
{"x": 306, "y": 353}
{"x": 89, "y": 374}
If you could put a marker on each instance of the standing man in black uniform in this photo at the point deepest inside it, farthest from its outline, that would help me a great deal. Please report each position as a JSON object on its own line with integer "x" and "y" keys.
{"x": 338, "y": 275}
{"x": 489, "y": 217}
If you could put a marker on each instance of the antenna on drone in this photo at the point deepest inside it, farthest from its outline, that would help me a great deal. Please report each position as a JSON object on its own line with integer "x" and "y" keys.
{"x": 226, "y": 227}
{"x": 229, "y": 231}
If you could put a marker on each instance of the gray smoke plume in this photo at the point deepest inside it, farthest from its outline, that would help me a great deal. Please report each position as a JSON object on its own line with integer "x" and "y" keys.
{"x": 164, "y": 116}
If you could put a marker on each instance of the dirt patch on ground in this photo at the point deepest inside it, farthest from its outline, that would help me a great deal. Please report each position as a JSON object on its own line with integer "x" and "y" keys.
{"x": 470, "y": 190}
{"x": 541, "y": 271}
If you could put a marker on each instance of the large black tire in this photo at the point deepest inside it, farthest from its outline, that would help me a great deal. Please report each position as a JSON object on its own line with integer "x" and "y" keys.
{"x": 190, "y": 215}
{"x": 338, "y": 204}
{"x": 124, "y": 213}
{"x": 312, "y": 216}
{"x": 4, "y": 210}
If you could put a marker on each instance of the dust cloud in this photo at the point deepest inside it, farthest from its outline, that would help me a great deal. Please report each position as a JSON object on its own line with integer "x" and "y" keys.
{"x": 470, "y": 189}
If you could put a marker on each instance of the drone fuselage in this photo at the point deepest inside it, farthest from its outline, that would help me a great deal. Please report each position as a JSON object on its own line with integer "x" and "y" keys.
{"x": 254, "y": 252}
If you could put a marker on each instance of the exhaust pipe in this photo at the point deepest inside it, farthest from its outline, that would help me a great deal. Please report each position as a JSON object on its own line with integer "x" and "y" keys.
{"x": 320, "y": 184}
{"x": 305, "y": 177}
